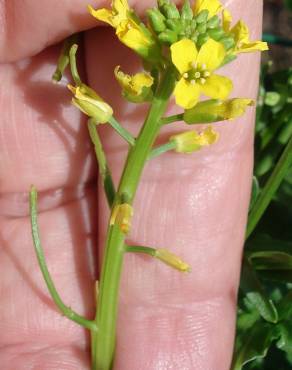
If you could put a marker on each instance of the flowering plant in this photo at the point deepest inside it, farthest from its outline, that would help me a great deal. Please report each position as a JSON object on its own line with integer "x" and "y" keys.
{"x": 181, "y": 50}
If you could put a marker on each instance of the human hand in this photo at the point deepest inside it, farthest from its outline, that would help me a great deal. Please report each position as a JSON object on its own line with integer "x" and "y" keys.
{"x": 194, "y": 205}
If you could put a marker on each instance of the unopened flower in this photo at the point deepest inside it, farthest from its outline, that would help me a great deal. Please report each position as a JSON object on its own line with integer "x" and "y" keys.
{"x": 122, "y": 216}
{"x": 216, "y": 110}
{"x": 136, "y": 88}
{"x": 129, "y": 29}
{"x": 172, "y": 260}
{"x": 196, "y": 72}
{"x": 191, "y": 141}
{"x": 87, "y": 100}
{"x": 240, "y": 34}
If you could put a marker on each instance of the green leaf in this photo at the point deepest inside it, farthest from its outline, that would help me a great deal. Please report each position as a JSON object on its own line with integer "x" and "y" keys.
{"x": 255, "y": 190}
{"x": 271, "y": 260}
{"x": 255, "y": 293}
{"x": 253, "y": 344}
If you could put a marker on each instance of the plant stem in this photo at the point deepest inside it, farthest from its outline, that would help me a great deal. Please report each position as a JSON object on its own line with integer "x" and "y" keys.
{"x": 171, "y": 119}
{"x": 270, "y": 188}
{"x": 67, "y": 311}
{"x": 122, "y": 131}
{"x": 103, "y": 342}
{"x": 104, "y": 170}
{"x": 162, "y": 149}
{"x": 140, "y": 249}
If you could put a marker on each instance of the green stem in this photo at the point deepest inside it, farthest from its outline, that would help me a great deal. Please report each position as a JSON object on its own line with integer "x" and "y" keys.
{"x": 162, "y": 149}
{"x": 171, "y": 119}
{"x": 67, "y": 311}
{"x": 104, "y": 170}
{"x": 63, "y": 60}
{"x": 103, "y": 342}
{"x": 140, "y": 249}
{"x": 270, "y": 188}
{"x": 73, "y": 65}
{"x": 122, "y": 131}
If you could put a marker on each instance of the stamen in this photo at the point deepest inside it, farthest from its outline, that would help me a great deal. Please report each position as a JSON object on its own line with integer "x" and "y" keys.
{"x": 195, "y": 65}
{"x": 203, "y": 81}
{"x": 197, "y": 75}
{"x": 193, "y": 82}
{"x": 206, "y": 74}
{"x": 204, "y": 66}
{"x": 185, "y": 75}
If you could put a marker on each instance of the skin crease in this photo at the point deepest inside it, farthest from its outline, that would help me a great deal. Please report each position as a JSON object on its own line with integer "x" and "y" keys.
{"x": 167, "y": 320}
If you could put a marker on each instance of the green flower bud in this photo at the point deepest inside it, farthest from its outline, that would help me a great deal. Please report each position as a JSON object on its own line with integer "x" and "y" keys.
{"x": 202, "y": 28}
{"x": 215, "y": 110}
{"x": 169, "y": 37}
{"x": 186, "y": 11}
{"x": 216, "y": 33}
{"x": 213, "y": 22}
{"x": 168, "y": 9}
{"x": 227, "y": 41}
{"x": 202, "y": 39}
{"x": 90, "y": 103}
{"x": 174, "y": 25}
{"x": 191, "y": 141}
{"x": 156, "y": 19}
{"x": 202, "y": 16}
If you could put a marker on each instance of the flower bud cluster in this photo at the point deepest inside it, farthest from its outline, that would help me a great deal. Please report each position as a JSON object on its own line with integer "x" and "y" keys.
{"x": 172, "y": 25}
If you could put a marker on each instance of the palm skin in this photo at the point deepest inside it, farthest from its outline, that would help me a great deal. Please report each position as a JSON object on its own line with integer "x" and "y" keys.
{"x": 195, "y": 205}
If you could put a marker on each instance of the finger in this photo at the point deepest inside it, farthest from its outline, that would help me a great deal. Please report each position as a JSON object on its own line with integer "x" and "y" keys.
{"x": 44, "y": 141}
{"x": 197, "y": 207}
{"x": 29, "y": 26}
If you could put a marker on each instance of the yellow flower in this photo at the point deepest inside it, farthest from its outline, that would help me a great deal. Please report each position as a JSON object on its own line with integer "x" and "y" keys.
{"x": 240, "y": 33}
{"x": 196, "y": 72}
{"x": 129, "y": 29}
{"x": 136, "y": 88}
{"x": 216, "y": 110}
{"x": 138, "y": 38}
{"x": 213, "y": 7}
{"x": 114, "y": 16}
{"x": 87, "y": 100}
{"x": 122, "y": 216}
{"x": 191, "y": 141}
{"x": 172, "y": 260}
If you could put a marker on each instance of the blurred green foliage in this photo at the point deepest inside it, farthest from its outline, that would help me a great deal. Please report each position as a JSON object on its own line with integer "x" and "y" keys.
{"x": 264, "y": 322}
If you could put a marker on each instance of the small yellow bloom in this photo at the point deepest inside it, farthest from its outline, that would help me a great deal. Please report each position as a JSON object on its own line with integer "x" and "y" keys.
{"x": 172, "y": 260}
{"x": 240, "y": 33}
{"x": 191, "y": 141}
{"x": 122, "y": 216}
{"x": 136, "y": 88}
{"x": 213, "y": 7}
{"x": 196, "y": 72}
{"x": 129, "y": 29}
{"x": 87, "y": 100}
{"x": 216, "y": 110}
{"x": 114, "y": 16}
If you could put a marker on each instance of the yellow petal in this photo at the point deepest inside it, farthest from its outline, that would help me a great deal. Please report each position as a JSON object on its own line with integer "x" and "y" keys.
{"x": 234, "y": 108}
{"x": 141, "y": 80}
{"x": 186, "y": 94}
{"x": 104, "y": 15}
{"x": 132, "y": 36}
{"x": 122, "y": 216}
{"x": 226, "y": 20}
{"x": 208, "y": 136}
{"x": 183, "y": 54}
{"x": 121, "y": 6}
{"x": 213, "y": 6}
{"x": 217, "y": 87}
{"x": 252, "y": 46}
{"x": 240, "y": 32}
{"x": 212, "y": 54}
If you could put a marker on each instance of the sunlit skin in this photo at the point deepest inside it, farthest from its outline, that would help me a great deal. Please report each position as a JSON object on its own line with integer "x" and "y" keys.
{"x": 195, "y": 205}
